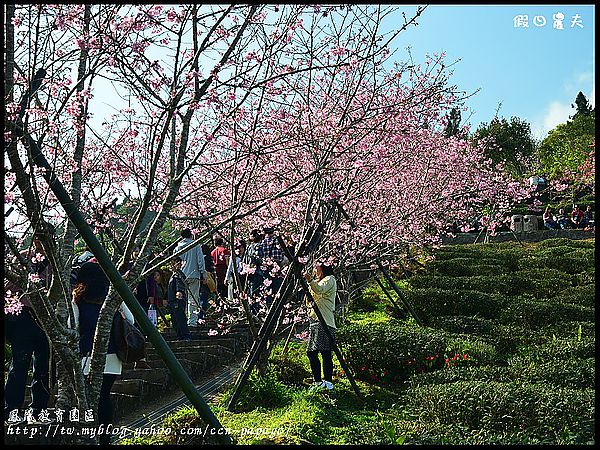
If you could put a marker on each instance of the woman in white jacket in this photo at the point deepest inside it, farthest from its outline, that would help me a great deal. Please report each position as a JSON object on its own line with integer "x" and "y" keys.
{"x": 323, "y": 290}
{"x": 89, "y": 293}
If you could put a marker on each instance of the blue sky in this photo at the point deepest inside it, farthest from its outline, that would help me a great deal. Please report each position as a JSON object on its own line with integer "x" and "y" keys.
{"x": 534, "y": 72}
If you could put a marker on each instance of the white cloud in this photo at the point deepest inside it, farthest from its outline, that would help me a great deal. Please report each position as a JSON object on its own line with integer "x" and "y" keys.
{"x": 584, "y": 77}
{"x": 558, "y": 112}
{"x": 555, "y": 114}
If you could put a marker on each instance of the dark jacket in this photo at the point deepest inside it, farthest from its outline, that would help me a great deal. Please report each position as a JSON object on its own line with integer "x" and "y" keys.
{"x": 209, "y": 264}
{"x": 97, "y": 285}
{"x": 176, "y": 284}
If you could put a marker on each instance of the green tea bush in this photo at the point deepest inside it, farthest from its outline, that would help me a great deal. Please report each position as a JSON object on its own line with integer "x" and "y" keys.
{"x": 545, "y": 411}
{"x": 565, "y": 242}
{"x": 460, "y": 267}
{"x": 431, "y": 302}
{"x": 569, "y": 260}
{"x": 556, "y": 348}
{"x": 389, "y": 350}
{"x": 572, "y": 373}
{"x": 462, "y": 373}
{"x": 585, "y": 278}
{"x": 367, "y": 300}
{"x": 578, "y": 295}
{"x": 535, "y": 314}
{"x": 463, "y": 324}
{"x": 475, "y": 349}
{"x": 509, "y": 337}
{"x": 537, "y": 282}
{"x": 569, "y": 329}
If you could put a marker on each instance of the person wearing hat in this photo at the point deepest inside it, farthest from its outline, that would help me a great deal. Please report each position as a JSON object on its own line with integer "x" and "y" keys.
{"x": 89, "y": 294}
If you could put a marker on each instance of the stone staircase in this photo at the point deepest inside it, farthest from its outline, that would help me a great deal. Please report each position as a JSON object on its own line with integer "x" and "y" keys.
{"x": 136, "y": 388}
{"x": 140, "y": 393}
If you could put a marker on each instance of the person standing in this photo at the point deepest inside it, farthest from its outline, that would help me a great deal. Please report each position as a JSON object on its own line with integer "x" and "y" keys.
{"x": 240, "y": 248}
{"x": 194, "y": 271}
{"x": 220, "y": 256}
{"x": 89, "y": 295}
{"x": 28, "y": 341}
{"x": 177, "y": 300}
{"x": 323, "y": 288}
{"x": 252, "y": 263}
{"x": 204, "y": 289}
{"x": 273, "y": 260}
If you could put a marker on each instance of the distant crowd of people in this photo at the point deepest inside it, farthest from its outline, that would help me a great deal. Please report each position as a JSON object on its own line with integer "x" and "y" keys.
{"x": 577, "y": 219}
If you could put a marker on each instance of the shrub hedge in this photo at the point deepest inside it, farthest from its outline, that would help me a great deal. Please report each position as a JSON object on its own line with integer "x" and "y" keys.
{"x": 454, "y": 374}
{"x": 537, "y": 282}
{"x": 541, "y": 409}
{"x": 431, "y": 302}
{"x": 560, "y": 242}
{"x": 535, "y": 314}
{"x": 461, "y": 267}
{"x": 463, "y": 324}
{"x": 556, "y": 348}
{"x": 391, "y": 350}
{"x": 572, "y": 373}
{"x": 578, "y": 295}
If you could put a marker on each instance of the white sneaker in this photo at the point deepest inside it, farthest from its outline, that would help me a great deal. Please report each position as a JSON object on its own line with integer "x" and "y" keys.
{"x": 317, "y": 386}
{"x": 328, "y": 385}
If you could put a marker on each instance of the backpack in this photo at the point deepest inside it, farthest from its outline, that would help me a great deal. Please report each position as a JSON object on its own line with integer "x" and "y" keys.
{"x": 129, "y": 340}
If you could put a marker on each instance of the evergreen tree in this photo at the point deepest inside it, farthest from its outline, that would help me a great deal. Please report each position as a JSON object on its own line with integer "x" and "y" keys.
{"x": 583, "y": 106}
{"x": 452, "y": 128}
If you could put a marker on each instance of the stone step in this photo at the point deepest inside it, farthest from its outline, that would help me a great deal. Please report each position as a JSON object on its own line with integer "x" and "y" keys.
{"x": 157, "y": 375}
{"x": 124, "y": 403}
{"x": 137, "y": 387}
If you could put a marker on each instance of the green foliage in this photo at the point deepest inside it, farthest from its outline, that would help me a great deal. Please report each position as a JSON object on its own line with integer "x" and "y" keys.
{"x": 263, "y": 392}
{"x": 494, "y": 406}
{"x": 534, "y": 313}
{"x": 586, "y": 278}
{"x": 389, "y": 351}
{"x": 511, "y": 141}
{"x": 453, "y": 301}
{"x": 573, "y": 373}
{"x": 460, "y": 267}
{"x": 471, "y": 349}
{"x": 578, "y": 295}
{"x": 462, "y": 373}
{"x": 537, "y": 282}
{"x": 463, "y": 324}
{"x": 368, "y": 301}
{"x": 557, "y": 348}
{"x": 291, "y": 367}
{"x": 567, "y": 146}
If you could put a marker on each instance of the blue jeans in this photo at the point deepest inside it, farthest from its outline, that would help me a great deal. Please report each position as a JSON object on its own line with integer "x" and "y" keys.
{"x": 179, "y": 319}
{"x": 203, "y": 299}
